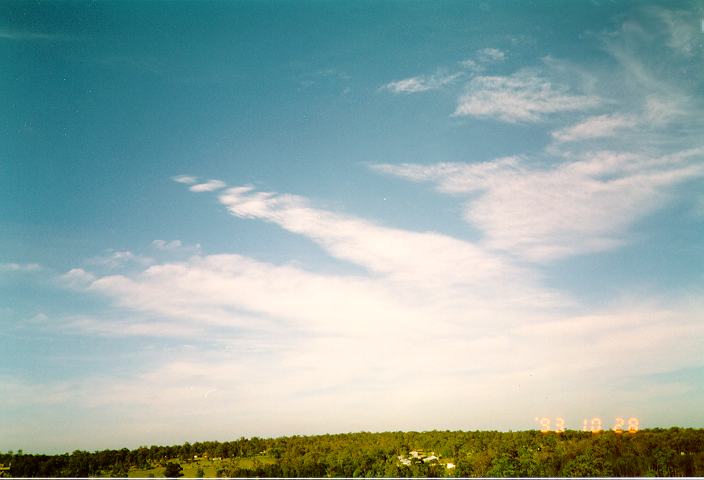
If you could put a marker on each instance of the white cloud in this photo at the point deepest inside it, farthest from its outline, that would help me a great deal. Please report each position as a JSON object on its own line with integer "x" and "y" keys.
{"x": 380, "y": 362}
{"x": 19, "y": 267}
{"x": 574, "y": 207}
{"x": 490, "y": 55}
{"x": 164, "y": 245}
{"x": 412, "y": 277}
{"x": 595, "y": 127}
{"x": 187, "y": 179}
{"x": 424, "y": 259}
{"x": 585, "y": 199}
{"x": 662, "y": 87}
{"x": 23, "y": 35}
{"x": 522, "y": 97}
{"x": 367, "y": 328}
{"x": 482, "y": 58}
{"x": 110, "y": 325}
{"x": 431, "y": 314}
{"x": 209, "y": 186}
{"x": 176, "y": 246}
{"x": 234, "y": 291}
{"x": 662, "y": 109}
{"x": 77, "y": 278}
{"x": 682, "y": 29}
{"x": 421, "y": 83}
{"x": 130, "y": 328}
{"x": 280, "y": 321}
{"x": 118, "y": 259}
{"x": 472, "y": 65}
{"x": 406, "y": 270}
{"x": 454, "y": 177}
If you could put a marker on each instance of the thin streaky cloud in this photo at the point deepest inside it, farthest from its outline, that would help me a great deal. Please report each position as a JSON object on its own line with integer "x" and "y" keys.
{"x": 421, "y": 83}
{"x": 482, "y": 58}
{"x": 427, "y": 260}
{"x": 683, "y": 34}
{"x": 209, "y": 186}
{"x": 575, "y": 207}
{"x": 117, "y": 259}
{"x": 472, "y": 65}
{"x": 453, "y": 177}
{"x": 19, "y": 267}
{"x": 186, "y": 179}
{"x": 491, "y": 55}
{"x": 424, "y": 83}
{"x": 176, "y": 247}
{"x": 25, "y": 35}
{"x": 327, "y": 301}
{"x": 524, "y": 96}
{"x": 350, "y": 329}
{"x": 77, "y": 278}
{"x": 164, "y": 245}
{"x": 114, "y": 328}
{"x": 599, "y": 126}
{"x": 378, "y": 248}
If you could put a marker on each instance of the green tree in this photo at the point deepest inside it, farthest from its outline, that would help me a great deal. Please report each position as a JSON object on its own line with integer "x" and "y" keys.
{"x": 173, "y": 470}
{"x": 119, "y": 470}
{"x": 502, "y": 466}
{"x": 587, "y": 465}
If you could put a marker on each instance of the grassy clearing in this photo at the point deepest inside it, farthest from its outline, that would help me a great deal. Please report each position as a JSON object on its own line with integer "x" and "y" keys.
{"x": 210, "y": 467}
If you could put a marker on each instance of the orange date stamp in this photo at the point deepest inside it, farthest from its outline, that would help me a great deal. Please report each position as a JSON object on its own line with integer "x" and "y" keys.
{"x": 594, "y": 425}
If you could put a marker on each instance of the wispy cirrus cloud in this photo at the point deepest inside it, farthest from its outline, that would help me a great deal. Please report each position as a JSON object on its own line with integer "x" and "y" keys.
{"x": 176, "y": 246}
{"x": 682, "y": 33}
{"x": 554, "y": 204}
{"x": 382, "y": 379}
{"x": 405, "y": 270}
{"x": 524, "y": 96}
{"x": 424, "y": 259}
{"x": 77, "y": 278}
{"x": 491, "y": 55}
{"x": 116, "y": 259}
{"x": 297, "y": 346}
{"x": 421, "y": 83}
{"x": 186, "y": 179}
{"x": 106, "y": 326}
{"x": 19, "y": 267}
{"x": 281, "y": 320}
{"x": 424, "y": 83}
{"x": 209, "y": 186}
{"x": 483, "y": 58}
{"x": 542, "y": 213}
{"x": 27, "y": 35}
{"x": 488, "y": 324}
{"x": 472, "y": 65}
{"x": 195, "y": 186}
{"x": 599, "y": 126}
{"x": 235, "y": 292}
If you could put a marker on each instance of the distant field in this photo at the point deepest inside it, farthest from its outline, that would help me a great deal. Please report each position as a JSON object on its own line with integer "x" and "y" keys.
{"x": 210, "y": 467}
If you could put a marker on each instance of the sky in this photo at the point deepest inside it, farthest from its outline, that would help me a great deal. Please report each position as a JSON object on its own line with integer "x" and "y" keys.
{"x": 225, "y": 219}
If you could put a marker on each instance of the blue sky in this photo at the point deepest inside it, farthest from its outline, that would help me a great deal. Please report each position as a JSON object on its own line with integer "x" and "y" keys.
{"x": 266, "y": 218}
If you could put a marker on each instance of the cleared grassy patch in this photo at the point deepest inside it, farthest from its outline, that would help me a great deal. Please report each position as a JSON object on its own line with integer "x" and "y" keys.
{"x": 210, "y": 467}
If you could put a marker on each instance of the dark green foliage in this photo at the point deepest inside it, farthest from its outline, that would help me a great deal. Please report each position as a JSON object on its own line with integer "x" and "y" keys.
{"x": 658, "y": 452}
{"x": 173, "y": 470}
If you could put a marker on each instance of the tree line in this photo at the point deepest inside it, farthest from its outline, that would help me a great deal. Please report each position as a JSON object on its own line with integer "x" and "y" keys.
{"x": 652, "y": 452}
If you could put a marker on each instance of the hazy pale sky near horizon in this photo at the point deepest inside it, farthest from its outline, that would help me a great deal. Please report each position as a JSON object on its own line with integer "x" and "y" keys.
{"x": 265, "y": 218}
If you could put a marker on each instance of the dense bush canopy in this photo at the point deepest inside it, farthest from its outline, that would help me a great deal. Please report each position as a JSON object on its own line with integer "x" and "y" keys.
{"x": 671, "y": 452}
